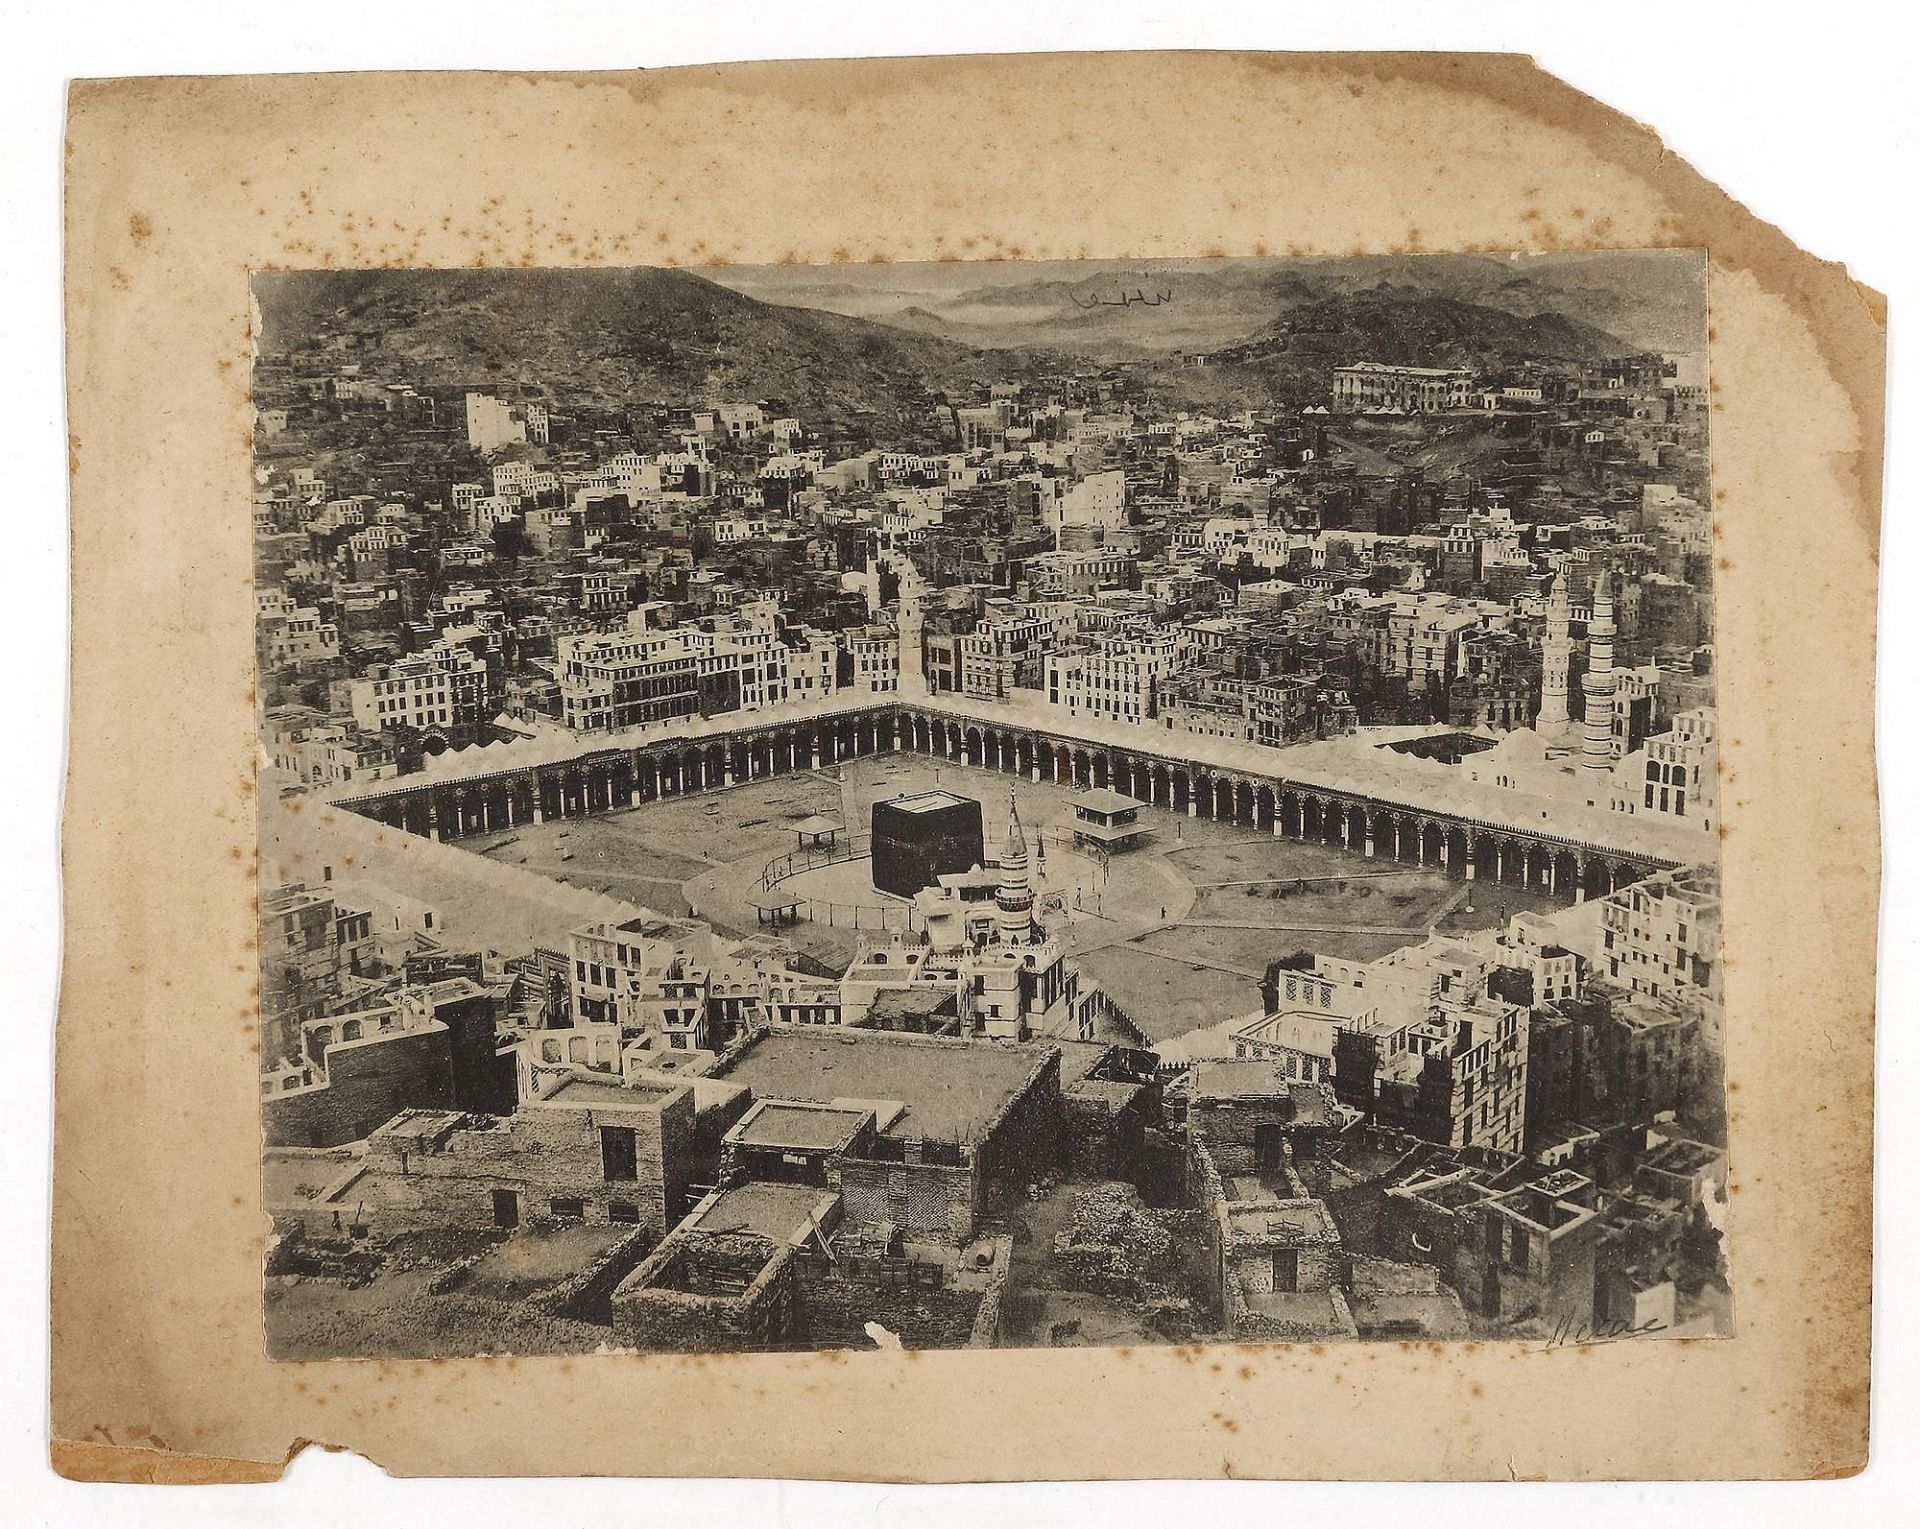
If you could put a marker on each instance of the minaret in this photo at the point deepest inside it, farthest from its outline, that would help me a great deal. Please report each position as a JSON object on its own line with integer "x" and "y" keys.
{"x": 1556, "y": 664}
{"x": 1014, "y": 897}
{"x": 1597, "y": 683}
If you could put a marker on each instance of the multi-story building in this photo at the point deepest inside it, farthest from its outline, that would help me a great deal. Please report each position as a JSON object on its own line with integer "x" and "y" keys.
{"x": 444, "y": 687}
{"x": 309, "y": 943}
{"x": 298, "y": 635}
{"x": 495, "y": 423}
{"x": 1080, "y": 575}
{"x": 1098, "y": 500}
{"x": 1117, "y": 678}
{"x": 1286, "y": 709}
{"x": 1007, "y": 648}
{"x": 1661, "y": 936}
{"x": 1681, "y": 770}
{"x": 1375, "y": 385}
{"x": 629, "y": 678}
{"x": 870, "y": 659}
{"x": 742, "y": 657}
{"x": 1209, "y": 704}
{"x": 1457, "y": 1076}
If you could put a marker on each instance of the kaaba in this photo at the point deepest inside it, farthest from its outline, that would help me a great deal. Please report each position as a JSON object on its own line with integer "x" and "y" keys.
{"x": 920, "y": 837}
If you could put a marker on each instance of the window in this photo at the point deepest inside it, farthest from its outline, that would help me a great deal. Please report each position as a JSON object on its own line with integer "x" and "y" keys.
{"x": 1286, "y": 1270}
{"x": 568, "y": 1209}
{"x": 623, "y": 1213}
{"x": 619, "y": 1157}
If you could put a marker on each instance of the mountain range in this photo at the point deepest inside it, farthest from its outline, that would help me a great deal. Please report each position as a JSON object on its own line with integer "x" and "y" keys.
{"x": 625, "y": 338}
{"x": 629, "y": 338}
{"x": 1654, "y": 300}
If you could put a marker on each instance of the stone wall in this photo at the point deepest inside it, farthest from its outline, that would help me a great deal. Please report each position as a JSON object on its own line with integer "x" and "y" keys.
{"x": 368, "y": 1083}
{"x": 922, "y": 1198}
{"x": 1102, "y": 1127}
{"x": 1022, "y": 1145}
{"x": 679, "y": 1301}
{"x": 588, "y": 1295}
{"x": 541, "y": 1155}
{"x": 924, "y": 1304}
{"x": 1230, "y": 1128}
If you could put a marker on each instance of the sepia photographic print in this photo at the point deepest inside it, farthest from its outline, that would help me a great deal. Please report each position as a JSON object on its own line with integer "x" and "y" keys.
{"x": 1019, "y": 804}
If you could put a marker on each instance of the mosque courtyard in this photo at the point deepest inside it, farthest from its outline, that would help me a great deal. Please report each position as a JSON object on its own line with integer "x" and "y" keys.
{"x": 1177, "y": 930}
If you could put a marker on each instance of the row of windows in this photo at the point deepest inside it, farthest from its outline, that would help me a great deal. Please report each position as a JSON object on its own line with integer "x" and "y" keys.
{"x": 1678, "y": 804}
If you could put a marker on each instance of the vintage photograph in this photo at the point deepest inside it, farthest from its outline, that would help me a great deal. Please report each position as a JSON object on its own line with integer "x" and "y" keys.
{"x": 1016, "y": 804}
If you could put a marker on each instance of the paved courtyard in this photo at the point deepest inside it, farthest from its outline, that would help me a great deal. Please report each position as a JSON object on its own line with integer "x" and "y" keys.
{"x": 1179, "y": 931}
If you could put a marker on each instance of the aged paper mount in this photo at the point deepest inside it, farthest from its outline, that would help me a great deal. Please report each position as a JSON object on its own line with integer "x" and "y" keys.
{"x": 182, "y": 192}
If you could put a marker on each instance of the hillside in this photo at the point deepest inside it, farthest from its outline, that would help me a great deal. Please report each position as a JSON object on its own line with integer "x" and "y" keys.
{"x": 1112, "y": 312}
{"x": 1651, "y": 300}
{"x": 626, "y": 338}
{"x": 1406, "y": 327}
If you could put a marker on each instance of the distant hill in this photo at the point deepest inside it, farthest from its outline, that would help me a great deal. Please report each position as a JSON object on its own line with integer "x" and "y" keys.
{"x": 1407, "y": 327}
{"x": 624, "y": 338}
{"x": 1650, "y": 300}
{"x": 1112, "y": 312}
{"x": 1654, "y": 300}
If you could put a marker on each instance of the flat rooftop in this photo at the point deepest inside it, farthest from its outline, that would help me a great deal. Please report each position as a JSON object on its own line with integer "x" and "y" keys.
{"x": 590, "y": 1093}
{"x": 1079, "y": 1058}
{"x": 952, "y": 1090}
{"x": 291, "y": 1175}
{"x": 779, "y": 1212}
{"x": 798, "y": 1127}
{"x": 1289, "y": 1223}
{"x": 1261, "y": 1080}
{"x": 1101, "y": 800}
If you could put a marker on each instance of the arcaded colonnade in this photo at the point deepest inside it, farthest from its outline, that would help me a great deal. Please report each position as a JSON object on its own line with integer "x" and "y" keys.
{"x": 600, "y": 779}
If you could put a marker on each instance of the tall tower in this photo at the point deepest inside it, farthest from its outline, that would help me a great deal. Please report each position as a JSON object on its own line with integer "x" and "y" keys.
{"x": 1014, "y": 896}
{"x": 1556, "y": 664}
{"x": 1597, "y": 683}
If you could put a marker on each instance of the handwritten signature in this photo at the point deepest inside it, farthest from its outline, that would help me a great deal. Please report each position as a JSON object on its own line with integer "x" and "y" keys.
{"x": 1570, "y": 1332}
{"x": 1137, "y": 298}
